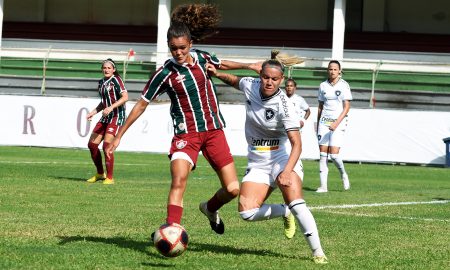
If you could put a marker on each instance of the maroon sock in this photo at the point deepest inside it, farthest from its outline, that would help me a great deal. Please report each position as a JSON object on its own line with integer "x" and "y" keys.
{"x": 109, "y": 162}
{"x": 214, "y": 204}
{"x": 174, "y": 213}
{"x": 96, "y": 157}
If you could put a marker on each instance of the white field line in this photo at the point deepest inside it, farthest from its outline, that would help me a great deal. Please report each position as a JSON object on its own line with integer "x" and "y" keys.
{"x": 343, "y": 206}
{"x": 350, "y": 206}
{"x": 376, "y": 216}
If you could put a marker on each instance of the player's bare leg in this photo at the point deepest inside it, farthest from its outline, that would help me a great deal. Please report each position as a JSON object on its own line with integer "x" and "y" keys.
{"x": 109, "y": 160}
{"x": 228, "y": 191}
{"x": 179, "y": 169}
{"x": 253, "y": 208}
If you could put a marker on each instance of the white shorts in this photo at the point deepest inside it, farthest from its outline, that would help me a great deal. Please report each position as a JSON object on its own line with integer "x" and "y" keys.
{"x": 267, "y": 174}
{"x": 331, "y": 138}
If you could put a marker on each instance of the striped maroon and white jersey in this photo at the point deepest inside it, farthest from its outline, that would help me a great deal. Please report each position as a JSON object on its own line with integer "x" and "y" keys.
{"x": 194, "y": 107}
{"x": 110, "y": 91}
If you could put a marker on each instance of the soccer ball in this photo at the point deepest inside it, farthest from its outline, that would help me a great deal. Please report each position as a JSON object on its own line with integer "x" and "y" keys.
{"x": 171, "y": 240}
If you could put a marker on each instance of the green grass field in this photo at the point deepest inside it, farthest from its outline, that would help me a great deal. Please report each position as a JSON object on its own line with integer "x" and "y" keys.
{"x": 51, "y": 219}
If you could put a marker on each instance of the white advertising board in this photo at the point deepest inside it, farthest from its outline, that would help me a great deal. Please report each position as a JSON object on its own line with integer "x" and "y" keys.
{"x": 373, "y": 135}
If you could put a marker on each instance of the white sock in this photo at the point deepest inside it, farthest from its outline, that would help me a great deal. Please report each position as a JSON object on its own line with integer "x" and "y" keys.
{"x": 307, "y": 224}
{"x": 266, "y": 211}
{"x": 337, "y": 160}
{"x": 323, "y": 166}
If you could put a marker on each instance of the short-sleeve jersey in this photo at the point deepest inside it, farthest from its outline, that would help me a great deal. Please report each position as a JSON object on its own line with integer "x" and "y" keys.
{"x": 300, "y": 104}
{"x": 110, "y": 91}
{"x": 267, "y": 121}
{"x": 194, "y": 104}
{"x": 333, "y": 96}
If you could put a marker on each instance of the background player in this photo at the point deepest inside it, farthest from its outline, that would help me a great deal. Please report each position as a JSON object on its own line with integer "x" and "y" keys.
{"x": 300, "y": 103}
{"x": 198, "y": 123}
{"x": 113, "y": 96}
{"x": 274, "y": 147}
{"x": 334, "y": 105}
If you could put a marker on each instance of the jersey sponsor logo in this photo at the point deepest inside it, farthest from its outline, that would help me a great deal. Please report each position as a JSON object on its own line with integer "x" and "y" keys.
{"x": 180, "y": 78}
{"x": 110, "y": 129}
{"x": 337, "y": 92}
{"x": 181, "y": 144}
{"x": 264, "y": 145}
{"x": 269, "y": 114}
{"x": 327, "y": 121}
{"x": 285, "y": 107}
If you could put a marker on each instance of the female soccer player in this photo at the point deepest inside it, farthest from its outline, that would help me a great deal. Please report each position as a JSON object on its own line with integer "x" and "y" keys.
{"x": 274, "y": 147}
{"x": 198, "y": 123}
{"x": 299, "y": 102}
{"x": 334, "y": 105}
{"x": 113, "y": 96}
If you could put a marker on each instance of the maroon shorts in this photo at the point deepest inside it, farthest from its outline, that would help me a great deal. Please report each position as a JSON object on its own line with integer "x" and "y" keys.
{"x": 213, "y": 145}
{"x": 103, "y": 128}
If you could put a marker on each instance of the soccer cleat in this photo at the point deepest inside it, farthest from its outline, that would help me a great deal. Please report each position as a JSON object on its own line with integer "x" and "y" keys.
{"x": 289, "y": 226}
{"x": 322, "y": 190}
{"x": 345, "y": 181}
{"x": 320, "y": 259}
{"x": 215, "y": 221}
{"x": 108, "y": 181}
{"x": 96, "y": 177}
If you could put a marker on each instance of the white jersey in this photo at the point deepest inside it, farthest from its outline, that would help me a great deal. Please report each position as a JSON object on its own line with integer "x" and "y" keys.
{"x": 267, "y": 121}
{"x": 300, "y": 104}
{"x": 332, "y": 97}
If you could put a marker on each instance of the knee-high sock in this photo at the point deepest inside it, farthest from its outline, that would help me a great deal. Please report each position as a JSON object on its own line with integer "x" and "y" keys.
{"x": 323, "y": 167}
{"x": 214, "y": 203}
{"x": 307, "y": 224}
{"x": 337, "y": 160}
{"x": 109, "y": 162}
{"x": 266, "y": 211}
{"x": 96, "y": 157}
{"x": 174, "y": 214}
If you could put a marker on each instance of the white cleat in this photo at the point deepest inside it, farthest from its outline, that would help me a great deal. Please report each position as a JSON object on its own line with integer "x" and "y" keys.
{"x": 322, "y": 190}
{"x": 345, "y": 182}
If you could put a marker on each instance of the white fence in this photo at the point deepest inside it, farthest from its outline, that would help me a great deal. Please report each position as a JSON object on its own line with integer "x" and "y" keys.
{"x": 373, "y": 135}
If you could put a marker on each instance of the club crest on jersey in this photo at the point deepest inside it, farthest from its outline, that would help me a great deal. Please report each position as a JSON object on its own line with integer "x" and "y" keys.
{"x": 180, "y": 144}
{"x": 180, "y": 78}
{"x": 269, "y": 114}
{"x": 338, "y": 92}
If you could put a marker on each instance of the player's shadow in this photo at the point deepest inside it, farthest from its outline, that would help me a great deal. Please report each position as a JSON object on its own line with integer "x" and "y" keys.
{"x": 201, "y": 247}
{"x": 142, "y": 246}
{"x": 309, "y": 189}
{"x": 68, "y": 178}
{"x": 122, "y": 242}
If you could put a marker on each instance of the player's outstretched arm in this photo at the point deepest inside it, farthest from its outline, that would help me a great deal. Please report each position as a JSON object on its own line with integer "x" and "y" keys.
{"x": 228, "y": 65}
{"x": 230, "y": 79}
{"x": 137, "y": 110}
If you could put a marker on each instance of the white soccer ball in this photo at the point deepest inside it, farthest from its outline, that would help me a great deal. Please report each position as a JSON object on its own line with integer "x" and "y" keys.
{"x": 171, "y": 240}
